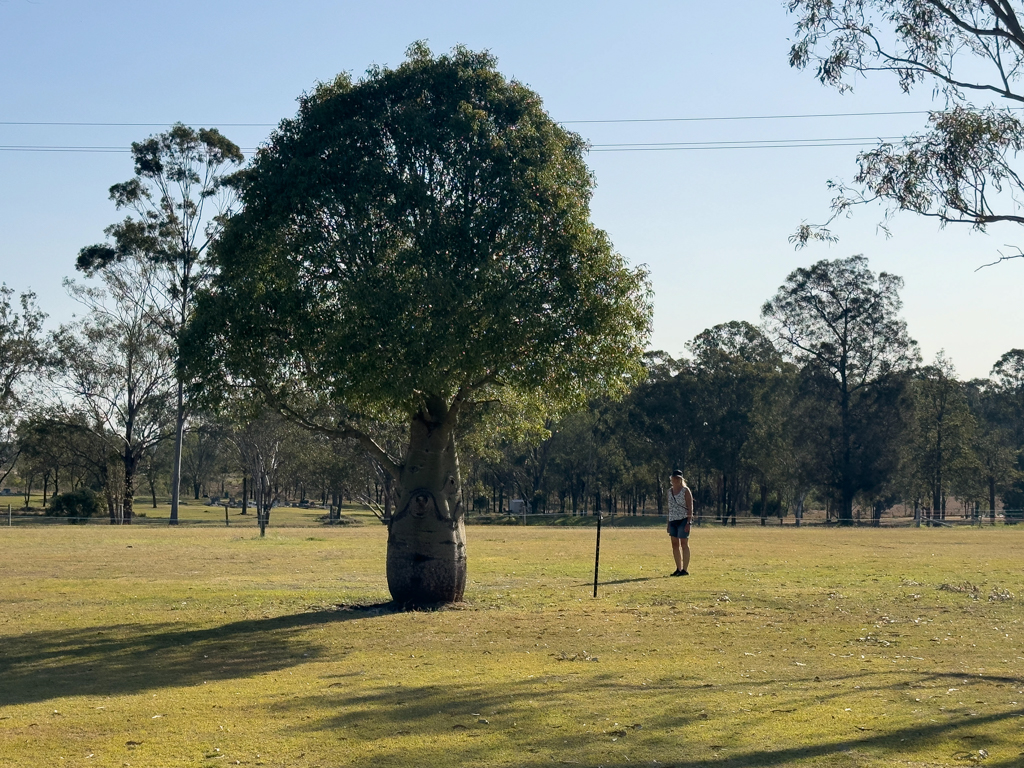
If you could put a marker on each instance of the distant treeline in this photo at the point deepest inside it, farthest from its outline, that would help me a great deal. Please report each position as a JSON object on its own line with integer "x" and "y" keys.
{"x": 825, "y": 404}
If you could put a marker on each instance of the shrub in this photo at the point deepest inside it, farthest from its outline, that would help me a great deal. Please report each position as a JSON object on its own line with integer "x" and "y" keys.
{"x": 80, "y": 504}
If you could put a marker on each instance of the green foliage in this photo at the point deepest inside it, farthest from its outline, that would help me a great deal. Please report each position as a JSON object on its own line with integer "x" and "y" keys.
{"x": 22, "y": 354}
{"x": 418, "y": 234}
{"x": 80, "y": 504}
{"x": 962, "y": 169}
{"x": 942, "y": 437}
{"x": 177, "y": 174}
{"x": 841, "y": 323}
{"x": 22, "y": 351}
{"x": 180, "y": 200}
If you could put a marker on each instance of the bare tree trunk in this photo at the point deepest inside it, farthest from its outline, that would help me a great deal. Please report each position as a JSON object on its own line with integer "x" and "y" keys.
{"x": 992, "y": 499}
{"x": 179, "y": 433}
{"x": 128, "y": 503}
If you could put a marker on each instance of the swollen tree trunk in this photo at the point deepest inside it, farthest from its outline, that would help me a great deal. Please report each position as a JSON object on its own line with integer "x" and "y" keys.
{"x": 426, "y": 560}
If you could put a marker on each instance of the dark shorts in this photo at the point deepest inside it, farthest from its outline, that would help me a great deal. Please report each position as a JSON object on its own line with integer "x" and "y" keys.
{"x": 679, "y": 529}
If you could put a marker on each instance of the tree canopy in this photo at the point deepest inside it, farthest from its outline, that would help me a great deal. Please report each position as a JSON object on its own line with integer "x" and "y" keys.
{"x": 413, "y": 244}
{"x": 841, "y": 322}
{"x": 422, "y": 234}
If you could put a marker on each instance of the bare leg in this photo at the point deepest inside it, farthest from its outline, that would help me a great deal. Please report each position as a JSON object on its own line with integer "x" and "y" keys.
{"x": 686, "y": 553}
{"x": 677, "y": 554}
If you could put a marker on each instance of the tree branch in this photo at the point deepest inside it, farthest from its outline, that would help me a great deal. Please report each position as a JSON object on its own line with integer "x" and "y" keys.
{"x": 344, "y": 431}
{"x": 1018, "y": 255}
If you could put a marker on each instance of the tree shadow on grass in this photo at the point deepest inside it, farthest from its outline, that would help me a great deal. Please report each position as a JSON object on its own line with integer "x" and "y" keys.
{"x": 478, "y": 713}
{"x": 130, "y": 658}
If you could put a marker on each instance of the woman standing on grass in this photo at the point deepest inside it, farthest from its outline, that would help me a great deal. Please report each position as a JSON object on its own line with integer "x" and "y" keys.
{"x": 680, "y": 513}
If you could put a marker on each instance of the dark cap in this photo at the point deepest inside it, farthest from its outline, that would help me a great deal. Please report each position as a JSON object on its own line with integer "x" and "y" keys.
{"x": 677, "y": 473}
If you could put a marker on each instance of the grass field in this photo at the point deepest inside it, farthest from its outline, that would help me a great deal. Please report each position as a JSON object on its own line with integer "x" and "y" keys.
{"x": 786, "y": 647}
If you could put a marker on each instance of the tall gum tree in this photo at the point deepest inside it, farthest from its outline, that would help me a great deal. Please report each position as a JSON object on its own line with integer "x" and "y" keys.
{"x": 840, "y": 322}
{"x": 179, "y": 200}
{"x": 409, "y": 247}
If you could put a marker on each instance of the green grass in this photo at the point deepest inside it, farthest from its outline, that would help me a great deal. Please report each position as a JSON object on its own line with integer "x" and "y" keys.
{"x": 196, "y": 512}
{"x": 786, "y": 647}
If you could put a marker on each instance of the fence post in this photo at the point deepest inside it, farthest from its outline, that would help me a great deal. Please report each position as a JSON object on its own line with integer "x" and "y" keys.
{"x": 227, "y": 523}
{"x": 8, "y": 515}
{"x": 597, "y": 552}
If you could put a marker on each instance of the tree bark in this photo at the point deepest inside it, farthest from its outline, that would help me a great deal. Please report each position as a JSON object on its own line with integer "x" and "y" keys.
{"x": 179, "y": 434}
{"x": 992, "y": 499}
{"x": 128, "y": 503}
{"x": 846, "y": 510}
{"x": 426, "y": 559}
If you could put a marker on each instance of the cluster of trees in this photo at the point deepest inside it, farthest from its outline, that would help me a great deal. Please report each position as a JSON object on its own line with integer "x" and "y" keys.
{"x": 827, "y": 401}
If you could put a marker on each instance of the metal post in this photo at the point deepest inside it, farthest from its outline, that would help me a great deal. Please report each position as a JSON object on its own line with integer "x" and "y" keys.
{"x": 227, "y": 522}
{"x": 597, "y": 554}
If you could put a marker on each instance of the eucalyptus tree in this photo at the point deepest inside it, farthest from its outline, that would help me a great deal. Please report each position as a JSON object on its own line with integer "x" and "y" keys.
{"x": 943, "y": 434}
{"x": 574, "y": 458}
{"x": 410, "y": 246}
{"x": 179, "y": 201}
{"x": 1008, "y": 378}
{"x": 743, "y": 388}
{"x": 200, "y": 453}
{"x": 665, "y": 424}
{"x": 115, "y": 374}
{"x": 963, "y": 169}
{"x": 1008, "y": 387}
{"x": 840, "y": 322}
{"x": 994, "y": 440}
{"x": 22, "y": 355}
{"x": 262, "y": 439}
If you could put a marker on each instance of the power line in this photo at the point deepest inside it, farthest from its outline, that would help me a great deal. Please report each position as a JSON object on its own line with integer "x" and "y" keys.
{"x": 742, "y": 117}
{"x": 564, "y": 122}
{"x": 99, "y": 150}
{"x": 631, "y": 147}
{"x": 132, "y": 125}
{"x": 738, "y": 146}
{"x": 671, "y": 144}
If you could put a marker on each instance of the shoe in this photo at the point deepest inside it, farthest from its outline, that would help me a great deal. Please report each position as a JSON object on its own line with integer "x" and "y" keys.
{"x": 683, "y": 573}
{"x": 677, "y": 573}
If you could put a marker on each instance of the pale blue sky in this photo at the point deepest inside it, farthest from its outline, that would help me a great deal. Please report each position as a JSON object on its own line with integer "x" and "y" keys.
{"x": 711, "y": 224}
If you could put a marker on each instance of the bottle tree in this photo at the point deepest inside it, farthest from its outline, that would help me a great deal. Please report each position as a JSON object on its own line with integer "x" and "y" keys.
{"x": 412, "y": 246}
